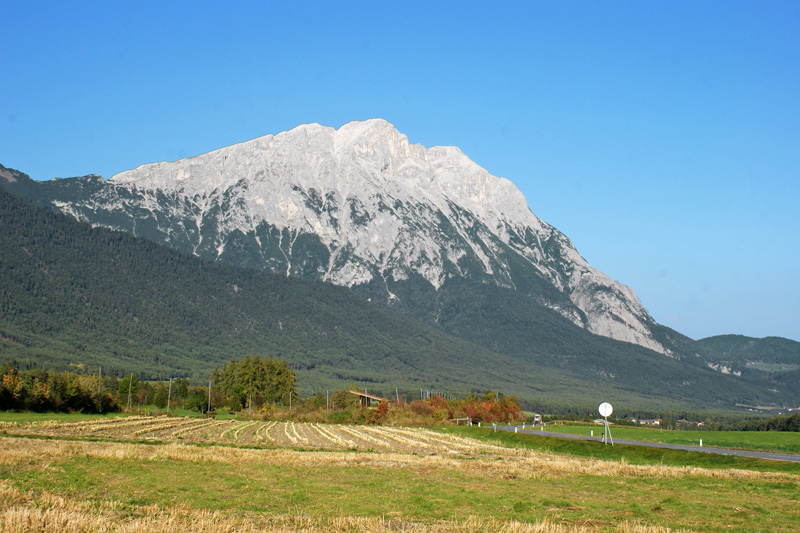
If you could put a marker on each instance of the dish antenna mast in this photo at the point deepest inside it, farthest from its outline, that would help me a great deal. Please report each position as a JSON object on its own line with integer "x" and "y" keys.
{"x": 606, "y": 410}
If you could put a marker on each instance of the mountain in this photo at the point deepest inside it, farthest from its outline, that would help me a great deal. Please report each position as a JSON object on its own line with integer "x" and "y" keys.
{"x": 361, "y": 207}
{"x": 74, "y": 295}
{"x": 425, "y": 232}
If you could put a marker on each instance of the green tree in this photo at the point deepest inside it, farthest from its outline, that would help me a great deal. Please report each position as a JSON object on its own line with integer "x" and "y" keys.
{"x": 160, "y": 394}
{"x": 489, "y": 396}
{"x": 254, "y": 381}
{"x": 341, "y": 399}
{"x": 128, "y": 388}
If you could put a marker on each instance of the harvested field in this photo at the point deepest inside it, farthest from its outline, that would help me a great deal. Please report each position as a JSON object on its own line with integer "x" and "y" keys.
{"x": 261, "y": 433}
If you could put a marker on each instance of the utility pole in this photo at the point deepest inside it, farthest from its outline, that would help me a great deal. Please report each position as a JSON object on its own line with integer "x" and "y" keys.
{"x": 169, "y": 394}
{"x": 130, "y": 385}
{"x": 209, "y": 396}
{"x": 327, "y": 400}
{"x": 99, "y": 380}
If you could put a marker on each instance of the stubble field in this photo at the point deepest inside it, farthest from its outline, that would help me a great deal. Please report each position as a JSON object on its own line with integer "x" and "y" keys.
{"x": 258, "y": 434}
{"x": 175, "y": 474}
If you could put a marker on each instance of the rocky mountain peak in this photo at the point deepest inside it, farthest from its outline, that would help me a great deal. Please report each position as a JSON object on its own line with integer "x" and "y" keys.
{"x": 361, "y": 206}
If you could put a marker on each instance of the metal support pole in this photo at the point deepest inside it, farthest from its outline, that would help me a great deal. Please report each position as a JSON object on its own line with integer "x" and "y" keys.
{"x": 607, "y": 433}
{"x": 169, "y": 394}
{"x": 130, "y": 385}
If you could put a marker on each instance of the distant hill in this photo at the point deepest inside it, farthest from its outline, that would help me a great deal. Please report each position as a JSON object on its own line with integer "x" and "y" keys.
{"x": 71, "y": 294}
{"x": 776, "y": 358}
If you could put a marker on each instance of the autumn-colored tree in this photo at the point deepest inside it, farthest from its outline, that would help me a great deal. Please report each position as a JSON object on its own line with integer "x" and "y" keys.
{"x": 506, "y": 409}
{"x": 12, "y": 384}
{"x": 382, "y": 409}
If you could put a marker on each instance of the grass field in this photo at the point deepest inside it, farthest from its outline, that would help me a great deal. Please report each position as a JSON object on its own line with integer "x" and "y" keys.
{"x": 23, "y": 418}
{"x": 768, "y": 441}
{"x": 136, "y": 474}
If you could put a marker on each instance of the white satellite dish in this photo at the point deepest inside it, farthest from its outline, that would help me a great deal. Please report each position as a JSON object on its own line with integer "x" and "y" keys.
{"x": 605, "y": 409}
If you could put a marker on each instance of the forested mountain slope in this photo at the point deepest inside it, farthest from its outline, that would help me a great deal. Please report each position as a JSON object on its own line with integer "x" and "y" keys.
{"x": 774, "y": 359}
{"x": 71, "y": 294}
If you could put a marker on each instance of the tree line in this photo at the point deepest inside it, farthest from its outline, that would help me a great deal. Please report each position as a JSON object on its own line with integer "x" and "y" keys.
{"x": 776, "y": 423}
{"x": 342, "y": 406}
{"x": 42, "y": 391}
{"x": 263, "y": 382}
{"x": 132, "y": 393}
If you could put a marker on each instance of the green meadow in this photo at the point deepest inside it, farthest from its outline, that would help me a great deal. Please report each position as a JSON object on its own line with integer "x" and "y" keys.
{"x": 768, "y": 441}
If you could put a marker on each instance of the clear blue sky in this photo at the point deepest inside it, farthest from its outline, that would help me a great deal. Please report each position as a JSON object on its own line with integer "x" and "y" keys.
{"x": 663, "y": 138}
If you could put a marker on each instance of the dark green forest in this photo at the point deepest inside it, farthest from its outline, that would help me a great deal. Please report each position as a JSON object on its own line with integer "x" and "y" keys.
{"x": 740, "y": 349}
{"x": 776, "y": 423}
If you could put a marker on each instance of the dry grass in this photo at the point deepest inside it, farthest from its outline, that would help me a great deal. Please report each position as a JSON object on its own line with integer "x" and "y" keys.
{"x": 281, "y": 434}
{"x": 516, "y": 463}
{"x": 46, "y": 512}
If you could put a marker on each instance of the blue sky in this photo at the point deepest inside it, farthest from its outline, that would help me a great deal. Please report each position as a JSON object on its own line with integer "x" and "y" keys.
{"x": 662, "y": 138}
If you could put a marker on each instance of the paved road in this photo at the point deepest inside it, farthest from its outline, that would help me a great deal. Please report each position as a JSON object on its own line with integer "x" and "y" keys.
{"x": 705, "y": 449}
